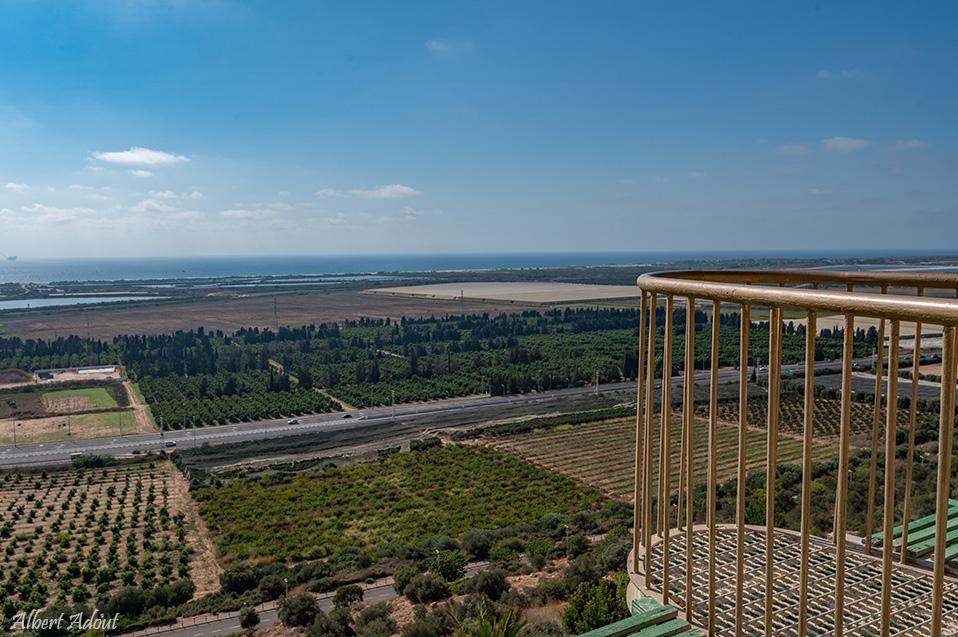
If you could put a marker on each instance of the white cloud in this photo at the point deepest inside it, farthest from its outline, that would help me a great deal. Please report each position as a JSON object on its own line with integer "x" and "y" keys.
{"x": 242, "y": 213}
{"x": 140, "y": 173}
{"x": 793, "y": 149}
{"x": 169, "y": 194}
{"x": 52, "y": 214}
{"x": 909, "y": 144}
{"x": 138, "y": 156}
{"x": 153, "y": 205}
{"x": 696, "y": 174}
{"x": 91, "y": 192}
{"x": 843, "y": 144}
{"x": 391, "y": 191}
{"x": 821, "y": 191}
{"x": 843, "y": 74}
{"x": 407, "y": 215}
{"x": 15, "y": 187}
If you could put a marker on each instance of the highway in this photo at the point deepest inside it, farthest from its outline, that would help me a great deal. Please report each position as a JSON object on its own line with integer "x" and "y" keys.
{"x": 432, "y": 414}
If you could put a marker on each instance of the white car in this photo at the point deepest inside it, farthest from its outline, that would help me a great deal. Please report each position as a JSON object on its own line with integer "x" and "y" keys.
{"x": 292, "y": 421}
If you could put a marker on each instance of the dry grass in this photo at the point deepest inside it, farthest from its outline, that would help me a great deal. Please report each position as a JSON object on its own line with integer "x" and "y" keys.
{"x": 231, "y": 313}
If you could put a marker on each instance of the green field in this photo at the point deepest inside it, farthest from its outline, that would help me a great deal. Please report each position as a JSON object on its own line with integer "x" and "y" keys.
{"x": 406, "y": 498}
{"x": 97, "y": 397}
{"x": 602, "y": 454}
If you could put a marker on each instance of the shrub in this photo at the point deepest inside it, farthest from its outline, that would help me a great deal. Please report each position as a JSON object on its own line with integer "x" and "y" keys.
{"x": 490, "y": 582}
{"x": 426, "y": 588}
{"x": 348, "y": 595}
{"x": 248, "y": 617}
{"x": 477, "y": 542}
{"x": 538, "y": 550}
{"x": 299, "y": 610}
{"x": 239, "y": 579}
{"x": 338, "y": 623}
{"x": 374, "y": 621}
{"x": 592, "y": 606}
{"x": 449, "y": 565}
{"x": 403, "y": 576}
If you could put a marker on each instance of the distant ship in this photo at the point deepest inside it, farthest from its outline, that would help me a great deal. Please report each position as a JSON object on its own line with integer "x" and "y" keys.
{"x": 13, "y": 258}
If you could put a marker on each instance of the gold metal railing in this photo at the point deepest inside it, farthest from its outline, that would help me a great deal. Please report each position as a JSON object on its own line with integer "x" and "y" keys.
{"x": 890, "y": 297}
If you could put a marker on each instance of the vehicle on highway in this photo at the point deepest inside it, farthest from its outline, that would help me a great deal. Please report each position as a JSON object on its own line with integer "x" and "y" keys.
{"x": 292, "y": 421}
{"x": 170, "y": 443}
{"x": 346, "y": 416}
{"x": 75, "y": 455}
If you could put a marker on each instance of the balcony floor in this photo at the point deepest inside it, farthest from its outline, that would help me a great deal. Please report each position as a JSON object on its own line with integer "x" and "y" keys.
{"x": 911, "y": 596}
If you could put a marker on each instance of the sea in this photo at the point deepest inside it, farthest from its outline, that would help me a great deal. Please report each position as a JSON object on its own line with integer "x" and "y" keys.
{"x": 28, "y": 270}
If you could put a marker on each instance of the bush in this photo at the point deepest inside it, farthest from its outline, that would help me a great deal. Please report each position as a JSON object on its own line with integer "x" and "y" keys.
{"x": 449, "y": 565}
{"x": 403, "y": 576}
{"x": 299, "y": 610}
{"x": 426, "y": 588}
{"x": 272, "y": 586}
{"x": 348, "y": 595}
{"x": 477, "y": 542}
{"x": 615, "y": 555}
{"x": 239, "y": 579}
{"x": 490, "y": 582}
{"x": 338, "y": 623}
{"x": 538, "y": 551}
{"x": 374, "y": 621}
{"x": 592, "y": 606}
{"x": 248, "y": 617}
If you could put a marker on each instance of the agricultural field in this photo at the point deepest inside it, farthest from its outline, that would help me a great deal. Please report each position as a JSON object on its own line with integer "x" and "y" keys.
{"x": 47, "y": 413}
{"x": 405, "y": 498}
{"x": 75, "y": 536}
{"x": 525, "y": 292}
{"x": 827, "y": 417}
{"x": 602, "y": 454}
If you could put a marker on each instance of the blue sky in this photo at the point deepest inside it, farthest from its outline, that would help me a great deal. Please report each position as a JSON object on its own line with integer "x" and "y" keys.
{"x": 200, "y": 127}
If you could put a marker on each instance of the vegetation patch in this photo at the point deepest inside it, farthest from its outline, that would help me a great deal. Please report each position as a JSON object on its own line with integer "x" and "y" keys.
{"x": 407, "y": 497}
{"x": 80, "y": 536}
{"x": 603, "y": 454}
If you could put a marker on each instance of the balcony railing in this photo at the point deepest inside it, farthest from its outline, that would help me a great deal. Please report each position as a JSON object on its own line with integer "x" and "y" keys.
{"x": 740, "y": 586}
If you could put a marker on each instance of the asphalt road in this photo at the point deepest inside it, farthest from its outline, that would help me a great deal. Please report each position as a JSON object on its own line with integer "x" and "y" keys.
{"x": 267, "y": 618}
{"x": 464, "y": 410}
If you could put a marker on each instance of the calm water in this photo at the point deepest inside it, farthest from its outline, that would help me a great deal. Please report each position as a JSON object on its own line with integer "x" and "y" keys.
{"x": 69, "y": 300}
{"x": 47, "y": 270}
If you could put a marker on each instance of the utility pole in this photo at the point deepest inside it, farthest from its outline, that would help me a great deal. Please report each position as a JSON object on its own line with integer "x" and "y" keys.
{"x": 596, "y": 382}
{"x": 69, "y": 433}
{"x": 462, "y": 302}
{"x": 15, "y": 425}
{"x": 394, "y": 404}
{"x": 275, "y": 315}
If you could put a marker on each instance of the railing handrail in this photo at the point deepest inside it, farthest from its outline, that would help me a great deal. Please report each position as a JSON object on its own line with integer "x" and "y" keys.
{"x": 733, "y": 286}
{"x": 891, "y": 278}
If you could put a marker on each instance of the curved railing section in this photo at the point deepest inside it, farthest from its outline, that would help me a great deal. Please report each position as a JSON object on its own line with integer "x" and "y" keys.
{"x": 890, "y": 297}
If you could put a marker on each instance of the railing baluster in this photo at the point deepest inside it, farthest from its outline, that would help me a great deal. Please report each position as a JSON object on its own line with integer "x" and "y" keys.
{"x": 807, "y": 449}
{"x": 688, "y": 405}
{"x": 946, "y": 432}
{"x": 740, "y": 495}
{"x": 771, "y": 463}
{"x": 876, "y": 419}
{"x": 912, "y": 420}
{"x": 888, "y": 529}
{"x": 665, "y": 478}
{"x": 713, "y": 443}
{"x": 841, "y": 497}
{"x": 649, "y": 420}
{"x": 639, "y": 438}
